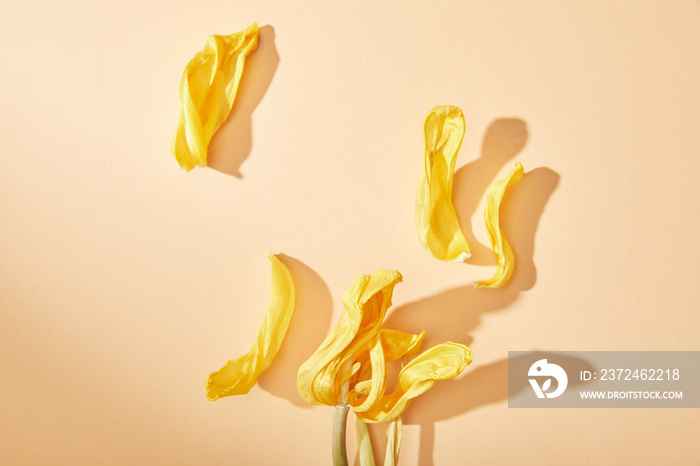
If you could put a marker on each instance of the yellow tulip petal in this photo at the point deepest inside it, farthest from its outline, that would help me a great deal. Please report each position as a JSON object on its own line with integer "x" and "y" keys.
{"x": 361, "y": 382}
{"x": 345, "y": 376}
{"x": 436, "y": 219}
{"x": 363, "y": 387}
{"x": 365, "y": 304}
{"x": 395, "y": 345}
{"x": 207, "y": 91}
{"x": 238, "y": 377}
{"x": 399, "y": 344}
{"x": 504, "y": 254}
{"x": 377, "y": 378}
{"x": 440, "y": 362}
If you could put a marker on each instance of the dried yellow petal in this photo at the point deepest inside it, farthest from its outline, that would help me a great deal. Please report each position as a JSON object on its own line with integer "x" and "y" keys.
{"x": 363, "y": 387}
{"x": 365, "y": 304}
{"x": 436, "y": 219}
{"x": 399, "y": 344}
{"x": 440, "y": 362}
{"x": 505, "y": 261}
{"x": 207, "y": 91}
{"x": 349, "y": 368}
{"x": 395, "y": 345}
{"x": 238, "y": 377}
{"x": 378, "y": 377}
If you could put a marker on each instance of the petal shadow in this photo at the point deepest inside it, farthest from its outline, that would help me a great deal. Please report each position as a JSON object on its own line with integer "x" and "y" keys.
{"x": 232, "y": 143}
{"x": 309, "y": 326}
{"x": 460, "y": 310}
{"x": 503, "y": 140}
{"x": 486, "y": 384}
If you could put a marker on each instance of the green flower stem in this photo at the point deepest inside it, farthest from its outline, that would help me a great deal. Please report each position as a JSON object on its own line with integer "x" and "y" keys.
{"x": 340, "y": 418}
{"x": 364, "y": 443}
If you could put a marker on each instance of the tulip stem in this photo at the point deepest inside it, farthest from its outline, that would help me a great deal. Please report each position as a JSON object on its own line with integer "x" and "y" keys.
{"x": 340, "y": 418}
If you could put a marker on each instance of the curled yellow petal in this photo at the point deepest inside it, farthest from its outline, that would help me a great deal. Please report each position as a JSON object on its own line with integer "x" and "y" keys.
{"x": 440, "y": 362}
{"x": 378, "y": 378}
{"x": 399, "y": 344}
{"x": 504, "y": 254}
{"x": 365, "y": 304}
{"x": 238, "y": 377}
{"x": 363, "y": 387}
{"x": 207, "y": 91}
{"x": 395, "y": 345}
{"x": 436, "y": 219}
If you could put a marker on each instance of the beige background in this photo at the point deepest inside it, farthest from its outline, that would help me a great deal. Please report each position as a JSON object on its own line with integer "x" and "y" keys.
{"x": 124, "y": 280}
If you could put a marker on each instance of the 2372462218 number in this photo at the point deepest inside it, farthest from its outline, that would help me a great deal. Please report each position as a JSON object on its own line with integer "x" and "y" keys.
{"x": 640, "y": 374}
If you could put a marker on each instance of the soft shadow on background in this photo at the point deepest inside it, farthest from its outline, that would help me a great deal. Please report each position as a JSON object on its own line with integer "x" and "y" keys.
{"x": 460, "y": 310}
{"x": 309, "y": 326}
{"x": 481, "y": 386}
{"x": 503, "y": 140}
{"x": 231, "y": 144}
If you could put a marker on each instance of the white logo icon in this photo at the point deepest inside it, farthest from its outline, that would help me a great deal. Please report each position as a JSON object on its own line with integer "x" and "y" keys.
{"x": 543, "y": 369}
